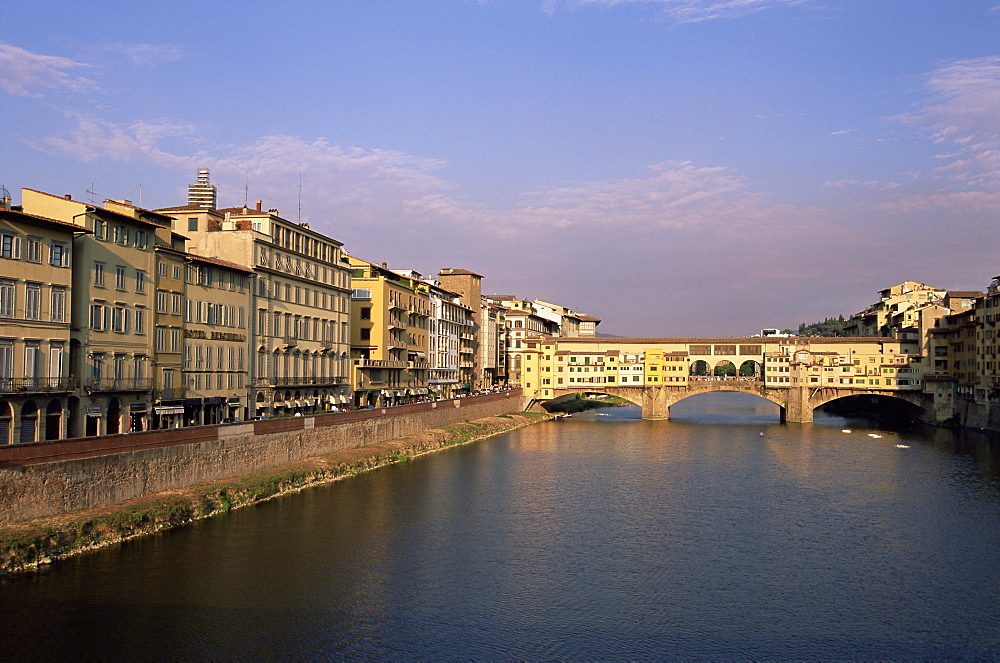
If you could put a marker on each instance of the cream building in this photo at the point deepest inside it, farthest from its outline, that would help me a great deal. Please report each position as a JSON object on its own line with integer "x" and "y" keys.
{"x": 217, "y": 346}
{"x": 451, "y": 336}
{"x": 38, "y": 399}
{"x": 300, "y": 321}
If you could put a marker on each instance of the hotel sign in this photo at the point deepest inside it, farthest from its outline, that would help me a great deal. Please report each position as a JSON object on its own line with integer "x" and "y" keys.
{"x": 215, "y": 335}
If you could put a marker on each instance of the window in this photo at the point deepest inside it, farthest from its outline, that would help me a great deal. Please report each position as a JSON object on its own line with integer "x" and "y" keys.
{"x": 34, "y": 249}
{"x": 176, "y": 300}
{"x": 32, "y": 359}
{"x": 161, "y": 339}
{"x": 56, "y": 359}
{"x": 140, "y": 281}
{"x": 57, "y": 304}
{"x": 58, "y": 254}
{"x": 162, "y": 301}
{"x": 98, "y": 317}
{"x": 99, "y": 274}
{"x": 10, "y": 246}
{"x": 193, "y": 224}
{"x": 161, "y": 269}
{"x": 120, "y": 235}
{"x": 140, "y": 321}
{"x": 361, "y": 293}
{"x": 33, "y": 301}
{"x": 6, "y": 298}
{"x": 120, "y": 277}
{"x": 366, "y": 312}
{"x": 175, "y": 340}
{"x": 141, "y": 239}
{"x": 177, "y": 272}
{"x": 100, "y": 229}
{"x": 119, "y": 319}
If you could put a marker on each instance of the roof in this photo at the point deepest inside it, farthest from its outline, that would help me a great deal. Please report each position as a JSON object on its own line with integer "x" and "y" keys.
{"x": 742, "y": 340}
{"x": 187, "y": 208}
{"x": 141, "y": 209}
{"x": 104, "y": 211}
{"x": 23, "y": 217}
{"x": 587, "y": 318}
{"x": 220, "y": 262}
{"x": 965, "y": 293}
{"x": 448, "y": 271}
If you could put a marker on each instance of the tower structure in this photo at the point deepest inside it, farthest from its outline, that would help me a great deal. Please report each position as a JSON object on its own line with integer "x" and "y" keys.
{"x": 203, "y": 193}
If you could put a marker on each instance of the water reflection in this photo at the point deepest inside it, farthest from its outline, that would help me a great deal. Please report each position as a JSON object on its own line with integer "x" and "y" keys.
{"x": 593, "y": 537}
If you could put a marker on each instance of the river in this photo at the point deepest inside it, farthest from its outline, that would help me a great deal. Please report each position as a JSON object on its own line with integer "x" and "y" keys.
{"x": 601, "y": 536}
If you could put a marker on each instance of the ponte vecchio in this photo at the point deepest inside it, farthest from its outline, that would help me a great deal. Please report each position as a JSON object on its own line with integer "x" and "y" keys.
{"x": 798, "y": 374}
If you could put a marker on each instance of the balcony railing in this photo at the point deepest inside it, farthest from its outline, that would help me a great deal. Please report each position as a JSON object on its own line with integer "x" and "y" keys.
{"x": 300, "y": 381}
{"x": 379, "y": 363}
{"x": 29, "y": 385}
{"x": 171, "y": 394}
{"x": 419, "y": 365}
{"x": 120, "y": 384}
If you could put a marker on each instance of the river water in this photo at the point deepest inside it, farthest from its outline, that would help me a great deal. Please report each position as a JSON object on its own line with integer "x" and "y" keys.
{"x": 595, "y": 537}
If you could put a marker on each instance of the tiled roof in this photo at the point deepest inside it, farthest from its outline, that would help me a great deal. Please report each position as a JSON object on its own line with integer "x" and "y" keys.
{"x": 15, "y": 215}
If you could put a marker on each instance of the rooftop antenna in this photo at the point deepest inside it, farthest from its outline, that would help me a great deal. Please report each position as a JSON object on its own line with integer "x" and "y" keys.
{"x": 92, "y": 193}
{"x": 134, "y": 172}
{"x": 299, "y": 219}
{"x": 246, "y": 188}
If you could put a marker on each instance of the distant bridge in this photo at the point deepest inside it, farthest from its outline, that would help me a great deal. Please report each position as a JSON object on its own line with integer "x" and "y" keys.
{"x": 797, "y": 374}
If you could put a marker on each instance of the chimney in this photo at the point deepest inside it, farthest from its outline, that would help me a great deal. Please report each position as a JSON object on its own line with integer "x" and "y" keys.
{"x": 68, "y": 196}
{"x": 259, "y": 203}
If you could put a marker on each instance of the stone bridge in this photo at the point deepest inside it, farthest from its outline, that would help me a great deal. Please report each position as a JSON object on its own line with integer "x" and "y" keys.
{"x": 796, "y": 402}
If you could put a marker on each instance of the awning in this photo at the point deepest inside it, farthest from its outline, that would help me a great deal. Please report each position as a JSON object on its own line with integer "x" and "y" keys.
{"x": 168, "y": 410}
{"x": 235, "y": 405}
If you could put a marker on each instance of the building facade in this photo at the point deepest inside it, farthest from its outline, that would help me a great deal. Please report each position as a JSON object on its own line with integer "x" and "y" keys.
{"x": 111, "y": 343}
{"x": 300, "y": 321}
{"x": 38, "y": 397}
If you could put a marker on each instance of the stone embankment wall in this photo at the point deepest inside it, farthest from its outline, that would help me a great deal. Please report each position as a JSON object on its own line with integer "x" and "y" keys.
{"x": 46, "y": 479}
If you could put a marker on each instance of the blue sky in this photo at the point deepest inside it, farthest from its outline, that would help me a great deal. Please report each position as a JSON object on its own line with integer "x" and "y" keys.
{"x": 674, "y": 167}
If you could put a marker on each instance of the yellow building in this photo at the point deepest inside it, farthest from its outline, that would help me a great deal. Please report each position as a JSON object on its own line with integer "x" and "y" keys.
{"x": 37, "y": 388}
{"x": 111, "y": 345}
{"x": 389, "y": 335}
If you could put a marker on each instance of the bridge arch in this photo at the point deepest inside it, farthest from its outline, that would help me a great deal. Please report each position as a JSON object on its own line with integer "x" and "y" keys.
{"x": 894, "y": 404}
{"x": 724, "y": 367}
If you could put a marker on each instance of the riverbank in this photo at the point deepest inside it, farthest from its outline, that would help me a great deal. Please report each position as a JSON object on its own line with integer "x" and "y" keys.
{"x": 26, "y": 546}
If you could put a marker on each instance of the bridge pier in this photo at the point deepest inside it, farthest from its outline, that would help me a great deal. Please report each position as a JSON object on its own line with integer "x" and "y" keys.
{"x": 655, "y": 404}
{"x": 798, "y": 409}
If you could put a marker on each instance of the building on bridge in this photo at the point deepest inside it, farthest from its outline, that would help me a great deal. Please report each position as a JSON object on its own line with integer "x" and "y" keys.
{"x": 797, "y": 373}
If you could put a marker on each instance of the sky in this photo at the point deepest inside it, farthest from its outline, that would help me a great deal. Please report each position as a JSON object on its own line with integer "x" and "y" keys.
{"x": 673, "y": 167}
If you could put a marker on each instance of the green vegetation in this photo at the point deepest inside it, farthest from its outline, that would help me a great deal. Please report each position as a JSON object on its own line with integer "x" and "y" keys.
{"x": 26, "y": 545}
{"x": 829, "y": 327}
{"x": 580, "y": 404}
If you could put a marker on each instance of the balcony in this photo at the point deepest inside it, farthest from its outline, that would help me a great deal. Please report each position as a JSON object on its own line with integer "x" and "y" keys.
{"x": 171, "y": 394}
{"x": 119, "y": 384}
{"x": 379, "y": 363}
{"x": 36, "y": 385}
{"x": 300, "y": 381}
{"x": 419, "y": 365}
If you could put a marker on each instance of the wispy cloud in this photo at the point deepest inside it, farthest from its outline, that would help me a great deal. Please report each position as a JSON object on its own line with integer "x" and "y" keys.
{"x": 147, "y": 55}
{"x": 691, "y": 11}
{"x": 962, "y": 115}
{"x": 27, "y": 74}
